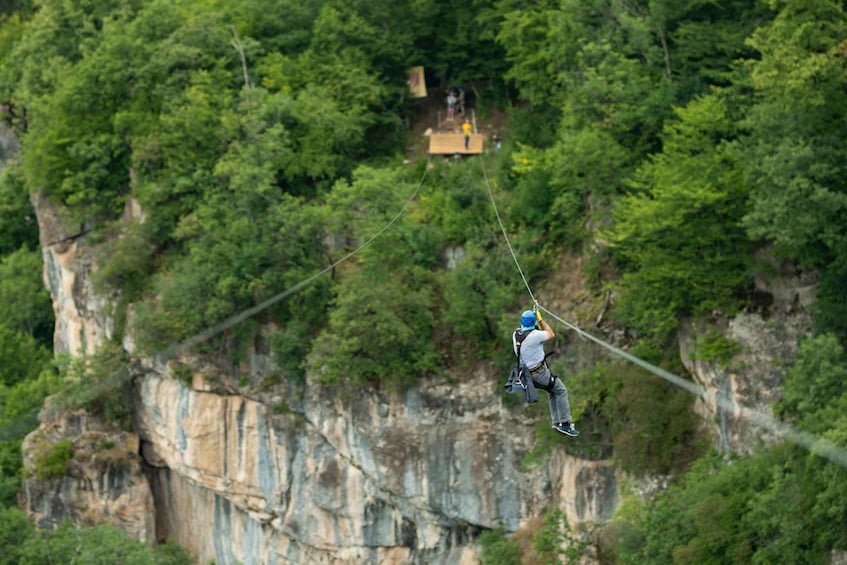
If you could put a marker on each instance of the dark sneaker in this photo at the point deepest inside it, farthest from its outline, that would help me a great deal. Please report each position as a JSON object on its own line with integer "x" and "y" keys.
{"x": 566, "y": 428}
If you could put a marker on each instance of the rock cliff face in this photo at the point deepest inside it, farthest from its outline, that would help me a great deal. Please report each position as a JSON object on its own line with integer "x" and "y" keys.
{"x": 766, "y": 340}
{"x": 300, "y": 473}
{"x": 81, "y": 320}
{"x": 335, "y": 478}
{"x": 102, "y": 480}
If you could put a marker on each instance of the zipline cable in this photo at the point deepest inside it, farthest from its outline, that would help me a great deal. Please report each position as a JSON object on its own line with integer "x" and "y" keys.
{"x": 503, "y": 229}
{"x": 812, "y": 443}
{"x": 668, "y": 376}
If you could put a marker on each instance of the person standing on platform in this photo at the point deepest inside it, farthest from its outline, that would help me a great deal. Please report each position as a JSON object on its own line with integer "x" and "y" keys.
{"x": 467, "y": 129}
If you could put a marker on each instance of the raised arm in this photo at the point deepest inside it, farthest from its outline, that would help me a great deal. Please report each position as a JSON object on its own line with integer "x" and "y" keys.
{"x": 545, "y": 327}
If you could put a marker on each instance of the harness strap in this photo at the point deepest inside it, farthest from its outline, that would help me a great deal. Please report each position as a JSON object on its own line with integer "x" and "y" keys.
{"x": 519, "y": 336}
{"x": 549, "y": 386}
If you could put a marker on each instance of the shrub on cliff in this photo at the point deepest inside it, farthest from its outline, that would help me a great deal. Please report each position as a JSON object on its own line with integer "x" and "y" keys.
{"x": 97, "y": 544}
{"x": 498, "y": 550}
{"x": 51, "y": 460}
{"x": 379, "y": 329}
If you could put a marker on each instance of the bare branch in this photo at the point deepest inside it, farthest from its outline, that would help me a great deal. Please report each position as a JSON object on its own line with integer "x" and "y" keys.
{"x": 236, "y": 42}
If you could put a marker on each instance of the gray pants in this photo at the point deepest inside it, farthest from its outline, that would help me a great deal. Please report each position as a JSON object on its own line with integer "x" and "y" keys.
{"x": 560, "y": 408}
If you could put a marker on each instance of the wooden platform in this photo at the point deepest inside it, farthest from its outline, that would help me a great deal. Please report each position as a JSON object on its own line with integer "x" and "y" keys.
{"x": 452, "y": 143}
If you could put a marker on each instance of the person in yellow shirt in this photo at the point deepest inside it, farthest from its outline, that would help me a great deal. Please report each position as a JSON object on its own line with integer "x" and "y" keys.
{"x": 467, "y": 129}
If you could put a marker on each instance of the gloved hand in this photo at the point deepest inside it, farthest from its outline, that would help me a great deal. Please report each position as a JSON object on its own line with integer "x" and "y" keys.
{"x": 537, "y": 314}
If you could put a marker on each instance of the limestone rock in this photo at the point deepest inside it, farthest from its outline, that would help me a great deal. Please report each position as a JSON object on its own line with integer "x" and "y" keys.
{"x": 81, "y": 319}
{"x": 355, "y": 477}
{"x": 767, "y": 340}
{"x": 102, "y": 481}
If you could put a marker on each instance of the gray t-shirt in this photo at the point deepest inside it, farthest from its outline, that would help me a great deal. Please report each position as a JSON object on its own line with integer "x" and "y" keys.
{"x": 532, "y": 348}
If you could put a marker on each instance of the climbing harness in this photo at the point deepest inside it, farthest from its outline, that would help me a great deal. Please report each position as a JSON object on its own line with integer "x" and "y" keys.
{"x": 519, "y": 336}
{"x": 520, "y": 377}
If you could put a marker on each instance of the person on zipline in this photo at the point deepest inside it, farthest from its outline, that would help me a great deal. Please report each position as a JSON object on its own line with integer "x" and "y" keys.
{"x": 530, "y": 339}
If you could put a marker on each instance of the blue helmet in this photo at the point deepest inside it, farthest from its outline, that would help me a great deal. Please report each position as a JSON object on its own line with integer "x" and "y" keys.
{"x": 528, "y": 320}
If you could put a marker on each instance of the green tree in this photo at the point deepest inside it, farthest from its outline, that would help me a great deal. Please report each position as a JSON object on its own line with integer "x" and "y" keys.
{"x": 379, "y": 34}
{"x": 579, "y": 177}
{"x": 378, "y": 329}
{"x": 71, "y": 150}
{"x": 284, "y": 27}
{"x": 245, "y": 240}
{"x": 24, "y": 302}
{"x": 381, "y": 320}
{"x": 707, "y": 39}
{"x": 793, "y": 518}
{"x": 17, "y": 6}
{"x": 797, "y": 136}
{"x": 679, "y": 233}
{"x": 19, "y": 407}
{"x": 524, "y": 34}
{"x": 498, "y": 550}
{"x": 175, "y": 158}
{"x": 703, "y": 517}
{"x": 10, "y": 474}
{"x": 21, "y": 357}
{"x": 479, "y": 283}
{"x": 96, "y": 544}
{"x": 461, "y": 44}
{"x": 815, "y": 389}
{"x": 643, "y": 423}
{"x": 18, "y": 225}
{"x": 477, "y": 292}
{"x": 20, "y": 403}
{"x": 15, "y": 529}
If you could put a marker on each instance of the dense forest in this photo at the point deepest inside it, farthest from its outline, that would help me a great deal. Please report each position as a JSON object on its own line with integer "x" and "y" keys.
{"x": 674, "y": 145}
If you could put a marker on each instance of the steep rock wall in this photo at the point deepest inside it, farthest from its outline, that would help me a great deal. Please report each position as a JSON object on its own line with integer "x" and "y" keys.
{"x": 102, "y": 480}
{"x": 298, "y": 473}
{"x": 337, "y": 478}
{"x": 81, "y": 320}
{"x": 767, "y": 338}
